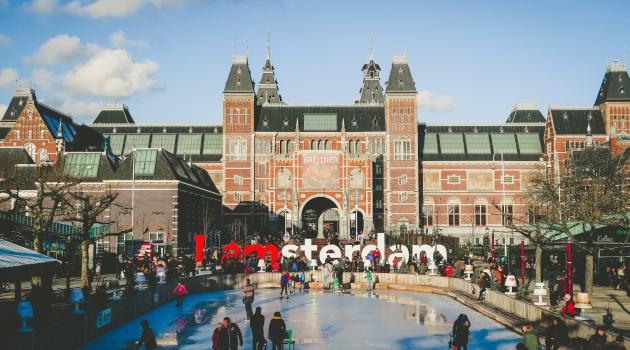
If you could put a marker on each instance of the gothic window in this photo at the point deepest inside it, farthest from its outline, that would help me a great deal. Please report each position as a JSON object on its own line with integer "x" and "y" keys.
{"x": 313, "y": 144}
{"x": 31, "y": 150}
{"x": 289, "y": 147}
{"x": 328, "y": 145}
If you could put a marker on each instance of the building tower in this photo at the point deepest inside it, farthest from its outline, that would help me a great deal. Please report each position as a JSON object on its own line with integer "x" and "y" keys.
{"x": 238, "y": 141}
{"x": 371, "y": 92}
{"x": 613, "y": 100}
{"x": 401, "y": 185}
{"x": 268, "y": 85}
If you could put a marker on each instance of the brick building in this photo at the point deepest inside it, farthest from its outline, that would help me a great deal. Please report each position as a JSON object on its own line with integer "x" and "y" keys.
{"x": 373, "y": 163}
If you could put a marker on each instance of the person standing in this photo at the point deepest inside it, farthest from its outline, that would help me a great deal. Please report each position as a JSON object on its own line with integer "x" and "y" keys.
{"x": 529, "y": 339}
{"x": 248, "y": 297}
{"x": 557, "y": 335}
{"x": 368, "y": 276}
{"x": 257, "y": 324}
{"x": 230, "y": 335}
{"x": 284, "y": 284}
{"x": 179, "y": 292}
{"x": 598, "y": 340}
{"x": 461, "y": 332}
{"x": 277, "y": 331}
{"x": 216, "y": 336}
{"x": 483, "y": 284}
{"x": 147, "y": 338}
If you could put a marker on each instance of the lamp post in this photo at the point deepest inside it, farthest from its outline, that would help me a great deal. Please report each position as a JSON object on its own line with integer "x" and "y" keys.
{"x": 493, "y": 247}
{"x": 486, "y": 242}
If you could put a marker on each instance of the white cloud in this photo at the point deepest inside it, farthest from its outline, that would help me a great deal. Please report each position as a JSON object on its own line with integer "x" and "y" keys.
{"x": 81, "y": 110}
{"x": 3, "y": 108}
{"x": 435, "y": 103}
{"x": 44, "y": 7}
{"x": 118, "y": 39}
{"x": 110, "y": 73}
{"x": 8, "y": 76}
{"x": 98, "y": 8}
{"x": 42, "y": 78}
{"x": 4, "y": 40}
{"x": 60, "y": 49}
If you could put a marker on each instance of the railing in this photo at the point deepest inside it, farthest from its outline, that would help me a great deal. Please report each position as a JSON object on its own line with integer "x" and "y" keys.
{"x": 59, "y": 228}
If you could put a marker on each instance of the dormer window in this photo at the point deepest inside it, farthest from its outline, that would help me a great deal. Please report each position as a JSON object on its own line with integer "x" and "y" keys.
{"x": 622, "y": 90}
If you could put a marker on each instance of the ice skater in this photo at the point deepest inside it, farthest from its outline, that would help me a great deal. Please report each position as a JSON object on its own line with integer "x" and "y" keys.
{"x": 277, "y": 331}
{"x": 248, "y": 297}
{"x": 147, "y": 338}
{"x": 257, "y": 324}
{"x": 230, "y": 336}
{"x": 179, "y": 291}
{"x": 461, "y": 332}
{"x": 284, "y": 284}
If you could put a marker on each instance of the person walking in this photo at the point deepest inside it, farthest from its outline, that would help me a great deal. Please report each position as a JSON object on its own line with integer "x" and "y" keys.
{"x": 598, "y": 340}
{"x": 529, "y": 339}
{"x": 284, "y": 284}
{"x": 461, "y": 332}
{"x": 483, "y": 284}
{"x": 179, "y": 292}
{"x": 277, "y": 331}
{"x": 569, "y": 307}
{"x": 557, "y": 335}
{"x": 230, "y": 336}
{"x": 248, "y": 297}
{"x": 147, "y": 338}
{"x": 216, "y": 336}
{"x": 257, "y": 324}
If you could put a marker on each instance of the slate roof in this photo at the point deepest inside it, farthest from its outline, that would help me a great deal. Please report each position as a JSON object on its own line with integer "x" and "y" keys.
{"x": 240, "y": 77}
{"x": 356, "y": 118}
{"x": 114, "y": 114}
{"x": 268, "y": 85}
{"x": 523, "y": 142}
{"x": 400, "y": 78}
{"x": 17, "y": 104}
{"x": 574, "y": 121}
{"x": 17, "y": 261}
{"x": 167, "y": 167}
{"x": 525, "y": 115}
{"x": 615, "y": 85}
{"x": 372, "y": 91}
{"x": 10, "y": 156}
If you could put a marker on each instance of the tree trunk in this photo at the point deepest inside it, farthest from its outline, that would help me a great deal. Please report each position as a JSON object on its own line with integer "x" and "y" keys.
{"x": 588, "y": 273}
{"x": 538, "y": 262}
{"x": 85, "y": 271}
{"x": 38, "y": 244}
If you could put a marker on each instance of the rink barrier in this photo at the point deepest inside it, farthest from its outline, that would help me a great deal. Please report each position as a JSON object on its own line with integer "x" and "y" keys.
{"x": 75, "y": 330}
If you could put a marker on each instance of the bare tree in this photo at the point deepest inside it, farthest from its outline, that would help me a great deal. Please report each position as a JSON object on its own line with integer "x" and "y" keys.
{"x": 89, "y": 203}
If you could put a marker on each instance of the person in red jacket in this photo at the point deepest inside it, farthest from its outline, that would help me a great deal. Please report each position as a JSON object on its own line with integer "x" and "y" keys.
{"x": 179, "y": 292}
{"x": 569, "y": 307}
{"x": 448, "y": 270}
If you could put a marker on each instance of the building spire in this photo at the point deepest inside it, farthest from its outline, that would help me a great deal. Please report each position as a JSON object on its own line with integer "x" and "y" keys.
{"x": 268, "y": 47}
{"x": 268, "y": 85}
{"x": 371, "y": 48}
{"x": 372, "y": 91}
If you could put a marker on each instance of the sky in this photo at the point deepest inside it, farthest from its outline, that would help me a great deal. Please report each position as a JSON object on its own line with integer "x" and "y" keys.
{"x": 168, "y": 59}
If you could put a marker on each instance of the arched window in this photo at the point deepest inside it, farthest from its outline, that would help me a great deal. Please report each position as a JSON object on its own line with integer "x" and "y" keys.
{"x": 289, "y": 147}
{"x": 353, "y": 147}
{"x": 358, "y": 146}
{"x": 328, "y": 145}
{"x": 313, "y": 144}
{"x": 321, "y": 145}
{"x": 283, "y": 147}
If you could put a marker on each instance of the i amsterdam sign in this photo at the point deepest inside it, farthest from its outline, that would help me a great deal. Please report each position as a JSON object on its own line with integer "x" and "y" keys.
{"x": 234, "y": 251}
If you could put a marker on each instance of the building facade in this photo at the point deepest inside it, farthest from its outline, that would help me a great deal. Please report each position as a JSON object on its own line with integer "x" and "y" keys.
{"x": 371, "y": 164}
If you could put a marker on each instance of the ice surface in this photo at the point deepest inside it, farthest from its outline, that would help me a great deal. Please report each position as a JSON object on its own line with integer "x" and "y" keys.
{"x": 319, "y": 320}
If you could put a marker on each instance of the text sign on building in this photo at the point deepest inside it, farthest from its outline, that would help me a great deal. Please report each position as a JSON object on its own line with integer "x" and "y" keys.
{"x": 103, "y": 318}
{"x": 320, "y": 170}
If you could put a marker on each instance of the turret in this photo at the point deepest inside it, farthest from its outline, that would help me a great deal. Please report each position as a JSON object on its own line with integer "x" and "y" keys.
{"x": 371, "y": 92}
{"x": 268, "y": 85}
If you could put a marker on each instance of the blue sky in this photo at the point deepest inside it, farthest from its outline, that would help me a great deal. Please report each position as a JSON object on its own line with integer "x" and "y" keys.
{"x": 168, "y": 59}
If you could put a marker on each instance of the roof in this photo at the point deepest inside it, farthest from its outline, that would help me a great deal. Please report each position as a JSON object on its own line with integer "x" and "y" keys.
{"x": 525, "y": 114}
{"x": 14, "y": 155}
{"x": 400, "y": 78}
{"x": 114, "y": 114}
{"x": 372, "y": 91}
{"x": 17, "y": 261}
{"x": 268, "y": 85}
{"x": 355, "y": 118}
{"x": 199, "y": 143}
{"x": 574, "y": 121}
{"x": 476, "y": 143}
{"x": 240, "y": 78}
{"x": 615, "y": 85}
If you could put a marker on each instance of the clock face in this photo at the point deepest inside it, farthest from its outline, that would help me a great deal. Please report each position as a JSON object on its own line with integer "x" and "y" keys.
{"x": 31, "y": 150}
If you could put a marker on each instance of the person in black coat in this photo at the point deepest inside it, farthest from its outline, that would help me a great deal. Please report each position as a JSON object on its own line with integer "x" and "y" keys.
{"x": 257, "y": 323}
{"x": 598, "y": 340}
{"x": 147, "y": 338}
{"x": 557, "y": 335}
{"x": 230, "y": 336}
{"x": 461, "y": 332}
{"x": 277, "y": 331}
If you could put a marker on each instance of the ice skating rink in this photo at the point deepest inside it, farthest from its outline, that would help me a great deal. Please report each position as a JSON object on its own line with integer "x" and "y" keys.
{"x": 319, "y": 320}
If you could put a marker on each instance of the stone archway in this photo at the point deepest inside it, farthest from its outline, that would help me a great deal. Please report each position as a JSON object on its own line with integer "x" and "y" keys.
{"x": 319, "y": 216}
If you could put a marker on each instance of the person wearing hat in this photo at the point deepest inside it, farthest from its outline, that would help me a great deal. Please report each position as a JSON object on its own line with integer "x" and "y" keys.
{"x": 598, "y": 340}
